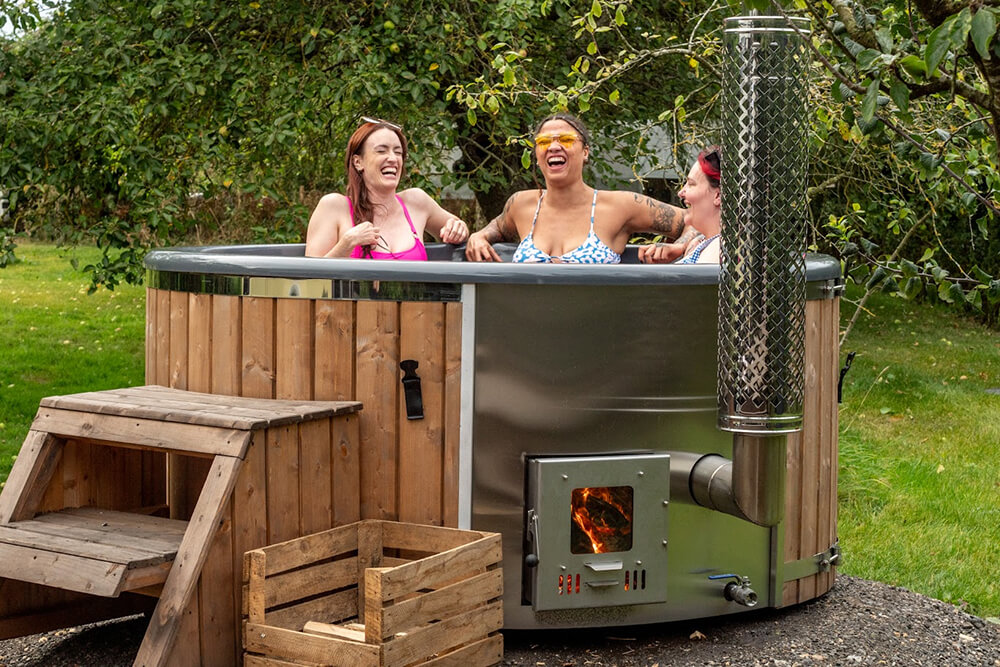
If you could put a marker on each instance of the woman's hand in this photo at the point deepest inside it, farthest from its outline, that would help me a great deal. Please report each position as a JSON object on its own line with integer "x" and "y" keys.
{"x": 479, "y": 249}
{"x": 363, "y": 234}
{"x": 661, "y": 253}
{"x": 454, "y": 231}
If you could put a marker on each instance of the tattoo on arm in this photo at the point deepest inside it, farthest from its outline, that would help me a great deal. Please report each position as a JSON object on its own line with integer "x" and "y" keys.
{"x": 505, "y": 230}
{"x": 690, "y": 233}
{"x": 663, "y": 218}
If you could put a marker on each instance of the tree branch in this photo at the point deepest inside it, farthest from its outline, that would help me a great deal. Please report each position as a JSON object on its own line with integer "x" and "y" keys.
{"x": 948, "y": 170}
{"x": 863, "y": 36}
{"x": 869, "y": 292}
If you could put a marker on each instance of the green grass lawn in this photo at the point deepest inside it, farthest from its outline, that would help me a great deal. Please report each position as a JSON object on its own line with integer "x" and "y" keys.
{"x": 919, "y": 444}
{"x": 920, "y": 433}
{"x": 57, "y": 340}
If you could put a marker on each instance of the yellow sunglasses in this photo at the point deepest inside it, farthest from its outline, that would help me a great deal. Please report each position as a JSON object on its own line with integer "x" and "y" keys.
{"x": 565, "y": 139}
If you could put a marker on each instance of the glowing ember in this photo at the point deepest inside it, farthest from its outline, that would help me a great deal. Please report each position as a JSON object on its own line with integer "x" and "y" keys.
{"x": 602, "y": 519}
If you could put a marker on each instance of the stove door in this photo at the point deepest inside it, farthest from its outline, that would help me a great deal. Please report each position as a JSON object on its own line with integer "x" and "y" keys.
{"x": 597, "y": 531}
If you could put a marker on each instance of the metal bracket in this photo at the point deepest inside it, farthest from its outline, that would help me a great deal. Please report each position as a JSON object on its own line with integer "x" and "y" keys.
{"x": 806, "y": 567}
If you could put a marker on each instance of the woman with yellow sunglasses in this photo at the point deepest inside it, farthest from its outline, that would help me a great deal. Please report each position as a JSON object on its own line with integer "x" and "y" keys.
{"x": 569, "y": 221}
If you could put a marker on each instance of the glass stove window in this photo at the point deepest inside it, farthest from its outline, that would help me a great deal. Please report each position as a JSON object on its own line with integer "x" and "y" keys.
{"x": 601, "y": 519}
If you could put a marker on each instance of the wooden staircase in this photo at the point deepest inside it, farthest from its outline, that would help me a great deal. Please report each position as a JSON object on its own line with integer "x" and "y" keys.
{"x": 107, "y": 551}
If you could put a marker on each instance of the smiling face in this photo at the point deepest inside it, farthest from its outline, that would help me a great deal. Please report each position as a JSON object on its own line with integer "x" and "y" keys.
{"x": 703, "y": 200}
{"x": 380, "y": 160}
{"x": 556, "y": 160}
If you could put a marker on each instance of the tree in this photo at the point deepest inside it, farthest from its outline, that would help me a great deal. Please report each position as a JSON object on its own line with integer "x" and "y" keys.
{"x": 119, "y": 118}
{"x": 904, "y": 150}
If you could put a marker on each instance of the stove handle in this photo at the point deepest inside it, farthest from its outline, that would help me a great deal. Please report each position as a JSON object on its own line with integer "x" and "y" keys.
{"x": 532, "y": 557}
{"x": 609, "y": 566}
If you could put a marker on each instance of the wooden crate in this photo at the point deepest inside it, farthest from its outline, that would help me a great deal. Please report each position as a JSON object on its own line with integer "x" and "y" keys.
{"x": 376, "y": 593}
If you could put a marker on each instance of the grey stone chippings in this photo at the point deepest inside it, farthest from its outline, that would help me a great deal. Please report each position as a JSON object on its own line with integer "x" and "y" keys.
{"x": 859, "y": 622}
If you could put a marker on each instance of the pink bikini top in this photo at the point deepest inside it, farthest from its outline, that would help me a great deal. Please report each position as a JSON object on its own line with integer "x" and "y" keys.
{"x": 416, "y": 253}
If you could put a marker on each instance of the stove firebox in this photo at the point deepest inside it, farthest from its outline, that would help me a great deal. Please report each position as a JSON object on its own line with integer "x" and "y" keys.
{"x": 596, "y": 531}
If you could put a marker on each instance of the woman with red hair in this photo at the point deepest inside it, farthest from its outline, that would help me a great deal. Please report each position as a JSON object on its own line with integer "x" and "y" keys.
{"x": 703, "y": 199}
{"x": 372, "y": 220}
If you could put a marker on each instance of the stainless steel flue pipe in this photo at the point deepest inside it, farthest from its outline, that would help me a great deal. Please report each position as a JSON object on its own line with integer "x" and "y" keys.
{"x": 762, "y": 278}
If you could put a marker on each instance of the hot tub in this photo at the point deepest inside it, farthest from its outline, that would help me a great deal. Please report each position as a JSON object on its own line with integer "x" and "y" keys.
{"x": 543, "y": 391}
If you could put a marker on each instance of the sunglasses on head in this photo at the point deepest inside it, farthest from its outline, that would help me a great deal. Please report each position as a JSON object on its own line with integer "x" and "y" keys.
{"x": 565, "y": 139}
{"x": 379, "y": 121}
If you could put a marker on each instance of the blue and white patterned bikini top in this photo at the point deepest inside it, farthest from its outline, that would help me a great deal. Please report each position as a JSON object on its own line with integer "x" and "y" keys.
{"x": 696, "y": 253}
{"x": 592, "y": 251}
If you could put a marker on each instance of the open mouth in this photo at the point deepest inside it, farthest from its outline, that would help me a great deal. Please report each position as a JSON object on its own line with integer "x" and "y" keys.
{"x": 389, "y": 171}
{"x": 556, "y": 160}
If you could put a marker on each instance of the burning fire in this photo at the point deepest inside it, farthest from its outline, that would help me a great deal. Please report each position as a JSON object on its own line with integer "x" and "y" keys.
{"x": 602, "y": 519}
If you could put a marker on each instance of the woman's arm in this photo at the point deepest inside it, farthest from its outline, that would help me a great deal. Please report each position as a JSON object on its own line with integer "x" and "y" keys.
{"x": 501, "y": 228}
{"x": 324, "y": 237}
{"x": 651, "y": 215}
{"x": 444, "y": 225}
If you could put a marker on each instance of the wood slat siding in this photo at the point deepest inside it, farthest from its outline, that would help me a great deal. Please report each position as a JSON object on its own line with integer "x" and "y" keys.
{"x": 331, "y": 350}
{"x": 811, "y": 484}
{"x": 344, "y": 350}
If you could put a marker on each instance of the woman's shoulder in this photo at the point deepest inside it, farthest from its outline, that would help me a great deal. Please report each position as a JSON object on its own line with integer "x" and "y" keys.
{"x": 332, "y": 207}
{"x": 333, "y": 200}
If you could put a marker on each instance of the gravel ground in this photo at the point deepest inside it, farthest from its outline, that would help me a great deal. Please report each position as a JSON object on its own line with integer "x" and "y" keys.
{"x": 859, "y": 622}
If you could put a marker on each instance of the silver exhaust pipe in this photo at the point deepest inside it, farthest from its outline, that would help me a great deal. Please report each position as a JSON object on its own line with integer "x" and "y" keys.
{"x": 762, "y": 276}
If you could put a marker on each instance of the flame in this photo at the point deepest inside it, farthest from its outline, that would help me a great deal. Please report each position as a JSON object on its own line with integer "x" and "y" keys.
{"x": 604, "y": 515}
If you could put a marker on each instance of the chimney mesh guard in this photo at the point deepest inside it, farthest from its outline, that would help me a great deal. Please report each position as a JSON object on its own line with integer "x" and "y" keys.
{"x": 762, "y": 280}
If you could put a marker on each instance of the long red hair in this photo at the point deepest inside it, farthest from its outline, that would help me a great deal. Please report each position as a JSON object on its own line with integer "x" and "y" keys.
{"x": 357, "y": 191}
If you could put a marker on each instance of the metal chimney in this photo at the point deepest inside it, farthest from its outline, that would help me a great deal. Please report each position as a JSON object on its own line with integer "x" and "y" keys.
{"x": 762, "y": 278}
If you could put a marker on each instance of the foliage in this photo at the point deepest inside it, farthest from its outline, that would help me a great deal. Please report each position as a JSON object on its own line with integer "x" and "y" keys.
{"x": 120, "y": 120}
{"x": 904, "y": 110}
{"x": 905, "y": 134}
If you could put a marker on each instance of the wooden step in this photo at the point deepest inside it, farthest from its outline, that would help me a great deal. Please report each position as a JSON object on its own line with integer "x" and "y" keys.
{"x": 101, "y": 552}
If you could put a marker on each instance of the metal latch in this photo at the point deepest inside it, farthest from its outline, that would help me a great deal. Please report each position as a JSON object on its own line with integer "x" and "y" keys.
{"x": 806, "y": 567}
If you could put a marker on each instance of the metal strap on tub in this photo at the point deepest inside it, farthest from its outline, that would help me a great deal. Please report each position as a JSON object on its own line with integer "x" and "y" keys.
{"x": 806, "y": 567}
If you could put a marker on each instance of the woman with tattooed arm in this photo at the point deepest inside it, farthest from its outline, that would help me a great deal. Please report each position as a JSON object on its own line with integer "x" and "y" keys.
{"x": 570, "y": 221}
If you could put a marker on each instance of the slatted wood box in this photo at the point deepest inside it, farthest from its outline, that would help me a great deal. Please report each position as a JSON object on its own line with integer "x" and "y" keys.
{"x": 375, "y": 593}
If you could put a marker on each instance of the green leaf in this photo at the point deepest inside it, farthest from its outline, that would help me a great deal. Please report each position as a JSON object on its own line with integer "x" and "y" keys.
{"x": 914, "y": 66}
{"x": 470, "y": 115}
{"x": 592, "y": 48}
{"x": 614, "y": 96}
{"x": 993, "y": 293}
{"x": 508, "y": 77}
{"x": 908, "y": 268}
{"x": 900, "y": 95}
{"x": 984, "y": 29}
{"x": 526, "y": 158}
{"x": 981, "y": 275}
{"x": 620, "y": 15}
{"x": 944, "y": 292}
{"x": 884, "y": 38}
{"x": 938, "y": 44}
{"x": 870, "y": 102}
{"x": 867, "y": 58}
{"x": 913, "y": 287}
{"x": 877, "y": 277}
{"x": 595, "y": 9}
